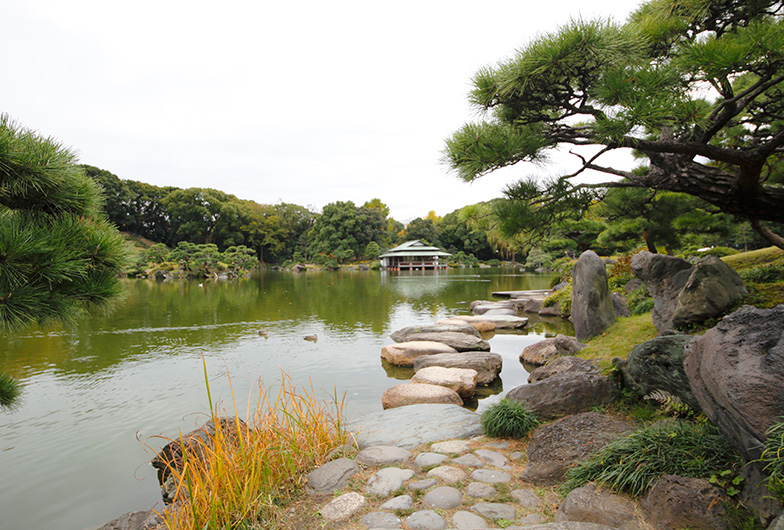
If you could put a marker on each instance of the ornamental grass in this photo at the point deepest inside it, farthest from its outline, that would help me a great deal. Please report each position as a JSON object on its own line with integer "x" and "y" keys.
{"x": 241, "y": 476}
{"x": 508, "y": 419}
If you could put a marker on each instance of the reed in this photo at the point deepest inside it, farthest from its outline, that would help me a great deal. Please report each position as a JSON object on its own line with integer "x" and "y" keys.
{"x": 238, "y": 477}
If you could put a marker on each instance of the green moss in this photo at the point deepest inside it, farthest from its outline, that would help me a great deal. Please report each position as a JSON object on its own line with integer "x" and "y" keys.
{"x": 620, "y": 338}
{"x": 562, "y": 297}
{"x": 748, "y": 260}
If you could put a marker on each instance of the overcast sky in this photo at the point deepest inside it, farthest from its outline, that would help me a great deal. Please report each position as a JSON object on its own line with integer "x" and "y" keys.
{"x": 307, "y": 102}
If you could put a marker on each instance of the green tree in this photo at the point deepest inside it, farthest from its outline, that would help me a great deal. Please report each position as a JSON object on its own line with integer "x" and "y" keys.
{"x": 59, "y": 256}
{"x": 202, "y": 215}
{"x": 694, "y": 87}
{"x": 456, "y": 235}
{"x": 376, "y": 204}
{"x": 343, "y": 227}
{"x": 423, "y": 229}
{"x": 372, "y": 250}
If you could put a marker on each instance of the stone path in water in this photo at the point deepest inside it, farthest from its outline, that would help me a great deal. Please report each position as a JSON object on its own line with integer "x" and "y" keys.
{"x": 458, "y": 484}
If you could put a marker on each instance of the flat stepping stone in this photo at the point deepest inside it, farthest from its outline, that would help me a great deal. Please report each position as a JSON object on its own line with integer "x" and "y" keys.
{"x": 487, "y": 365}
{"x": 387, "y": 480}
{"x": 468, "y": 521}
{"x": 425, "y": 520}
{"x": 429, "y": 459}
{"x": 412, "y": 394}
{"x": 383, "y": 455}
{"x": 493, "y": 458}
{"x": 491, "y": 476}
{"x": 401, "y": 502}
{"x": 461, "y": 380}
{"x": 415, "y": 425}
{"x": 480, "y": 490}
{"x": 469, "y": 460}
{"x": 457, "y": 340}
{"x": 343, "y": 507}
{"x": 527, "y": 499}
{"x": 404, "y": 353}
{"x": 330, "y": 477}
{"x": 506, "y": 321}
{"x": 448, "y": 474}
{"x": 381, "y": 520}
{"x": 451, "y": 446}
{"x": 422, "y": 484}
{"x": 515, "y": 455}
{"x": 479, "y": 323}
{"x": 494, "y": 510}
{"x": 443, "y": 498}
{"x": 533, "y": 518}
{"x": 497, "y": 445}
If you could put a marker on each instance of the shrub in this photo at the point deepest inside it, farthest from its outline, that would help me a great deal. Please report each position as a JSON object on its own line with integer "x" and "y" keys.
{"x": 772, "y": 458}
{"x": 633, "y": 463}
{"x": 639, "y": 301}
{"x": 508, "y": 419}
{"x": 719, "y": 252}
{"x": 562, "y": 296}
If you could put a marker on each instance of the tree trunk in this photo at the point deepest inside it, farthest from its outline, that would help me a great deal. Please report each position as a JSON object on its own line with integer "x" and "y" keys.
{"x": 768, "y": 234}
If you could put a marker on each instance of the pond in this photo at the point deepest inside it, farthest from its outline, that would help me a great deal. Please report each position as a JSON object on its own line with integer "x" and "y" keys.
{"x": 74, "y": 452}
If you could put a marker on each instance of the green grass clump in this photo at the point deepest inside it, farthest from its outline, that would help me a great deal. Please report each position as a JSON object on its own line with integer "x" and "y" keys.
{"x": 633, "y": 463}
{"x": 773, "y": 458}
{"x": 9, "y": 391}
{"x": 508, "y": 419}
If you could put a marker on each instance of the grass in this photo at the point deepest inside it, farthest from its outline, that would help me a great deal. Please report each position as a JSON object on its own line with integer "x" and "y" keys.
{"x": 754, "y": 258}
{"x": 620, "y": 338}
{"x": 508, "y": 419}
{"x": 773, "y": 458}
{"x": 9, "y": 391}
{"x": 633, "y": 463}
{"x": 240, "y": 477}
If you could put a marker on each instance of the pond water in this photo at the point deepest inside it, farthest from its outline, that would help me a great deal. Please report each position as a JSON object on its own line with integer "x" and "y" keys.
{"x": 73, "y": 452}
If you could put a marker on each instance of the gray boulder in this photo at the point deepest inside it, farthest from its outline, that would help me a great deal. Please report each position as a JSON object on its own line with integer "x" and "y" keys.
{"x": 657, "y": 364}
{"x": 681, "y": 502}
{"x": 620, "y": 305}
{"x": 405, "y": 353}
{"x": 413, "y": 393}
{"x": 592, "y": 307}
{"x": 712, "y": 288}
{"x": 542, "y": 352}
{"x": 554, "y": 447}
{"x": 487, "y": 365}
{"x": 402, "y": 335}
{"x": 736, "y": 371}
{"x": 570, "y": 392}
{"x": 461, "y": 380}
{"x": 590, "y": 504}
{"x": 664, "y": 277}
{"x": 560, "y": 365}
{"x": 147, "y": 520}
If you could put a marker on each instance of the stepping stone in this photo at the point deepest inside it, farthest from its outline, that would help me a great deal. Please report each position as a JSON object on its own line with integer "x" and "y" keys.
{"x": 443, "y": 498}
{"x": 414, "y": 394}
{"x": 480, "y": 490}
{"x": 532, "y": 518}
{"x": 497, "y": 445}
{"x": 527, "y": 499}
{"x": 404, "y": 353}
{"x": 387, "y": 480}
{"x": 494, "y": 458}
{"x": 451, "y": 446}
{"x": 515, "y": 455}
{"x": 401, "y": 502}
{"x": 494, "y": 510}
{"x": 468, "y": 521}
{"x": 330, "y": 477}
{"x": 469, "y": 460}
{"x": 461, "y": 380}
{"x": 383, "y": 455}
{"x": 422, "y": 484}
{"x": 429, "y": 459}
{"x": 425, "y": 520}
{"x": 491, "y": 476}
{"x": 487, "y": 365}
{"x": 381, "y": 520}
{"x": 448, "y": 474}
{"x": 343, "y": 507}
{"x": 479, "y": 323}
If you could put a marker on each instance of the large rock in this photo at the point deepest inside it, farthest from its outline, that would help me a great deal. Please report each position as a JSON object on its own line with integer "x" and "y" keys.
{"x": 402, "y": 335}
{"x": 570, "y": 392}
{"x": 561, "y": 365}
{"x": 411, "y": 394}
{"x": 415, "y": 425}
{"x": 482, "y": 325}
{"x": 712, "y": 288}
{"x": 590, "y": 504}
{"x": 592, "y": 307}
{"x": 664, "y": 277}
{"x": 405, "y": 353}
{"x": 657, "y": 364}
{"x": 461, "y": 380}
{"x": 458, "y": 341}
{"x": 555, "y": 447}
{"x": 680, "y": 502}
{"x": 542, "y": 352}
{"x": 487, "y": 365}
{"x": 736, "y": 371}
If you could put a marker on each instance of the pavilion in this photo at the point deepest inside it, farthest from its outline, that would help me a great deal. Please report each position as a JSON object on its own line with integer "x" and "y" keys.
{"x": 414, "y": 255}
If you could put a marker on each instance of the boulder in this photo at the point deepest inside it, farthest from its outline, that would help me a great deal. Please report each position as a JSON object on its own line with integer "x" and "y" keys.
{"x": 458, "y": 341}
{"x": 632, "y": 285}
{"x": 532, "y": 306}
{"x": 590, "y": 504}
{"x": 402, "y": 335}
{"x": 620, "y": 305}
{"x": 487, "y": 365}
{"x": 592, "y": 307}
{"x": 712, "y": 288}
{"x": 542, "y": 352}
{"x": 405, "y": 353}
{"x": 482, "y": 325}
{"x": 681, "y": 502}
{"x": 566, "y": 393}
{"x": 505, "y": 321}
{"x": 461, "y": 380}
{"x": 412, "y": 394}
{"x": 460, "y": 324}
{"x": 664, "y": 277}
{"x": 657, "y": 364}
{"x": 560, "y": 365}
{"x": 330, "y": 477}
{"x": 736, "y": 372}
{"x": 551, "y": 311}
{"x": 147, "y": 520}
{"x": 756, "y": 496}
{"x": 555, "y": 447}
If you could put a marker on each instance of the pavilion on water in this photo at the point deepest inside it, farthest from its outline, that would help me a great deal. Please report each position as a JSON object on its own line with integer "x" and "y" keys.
{"x": 414, "y": 255}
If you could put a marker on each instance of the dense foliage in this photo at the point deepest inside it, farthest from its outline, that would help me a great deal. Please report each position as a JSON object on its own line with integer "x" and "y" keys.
{"x": 508, "y": 419}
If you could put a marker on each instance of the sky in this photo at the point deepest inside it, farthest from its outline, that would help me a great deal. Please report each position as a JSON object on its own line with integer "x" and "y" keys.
{"x": 306, "y": 102}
